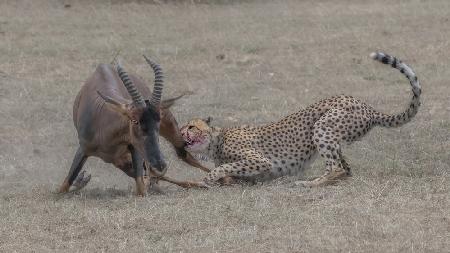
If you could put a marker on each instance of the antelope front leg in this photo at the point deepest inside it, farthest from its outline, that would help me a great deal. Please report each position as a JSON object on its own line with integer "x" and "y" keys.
{"x": 81, "y": 181}
{"x": 193, "y": 162}
{"x": 138, "y": 166}
{"x": 185, "y": 184}
{"x": 152, "y": 184}
{"x": 75, "y": 180}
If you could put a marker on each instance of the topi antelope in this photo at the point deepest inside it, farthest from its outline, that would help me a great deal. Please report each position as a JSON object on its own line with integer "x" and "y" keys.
{"x": 115, "y": 123}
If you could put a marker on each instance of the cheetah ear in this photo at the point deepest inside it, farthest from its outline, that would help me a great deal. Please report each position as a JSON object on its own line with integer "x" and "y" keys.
{"x": 208, "y": 120}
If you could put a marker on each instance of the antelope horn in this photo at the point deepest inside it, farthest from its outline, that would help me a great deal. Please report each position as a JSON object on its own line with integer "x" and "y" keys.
{"x": 159, "y": 83}
{"x": 131, "y": 88}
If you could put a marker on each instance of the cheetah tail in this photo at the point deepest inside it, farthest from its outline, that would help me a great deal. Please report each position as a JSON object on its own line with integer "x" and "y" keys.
{"x": 404, "y": 117}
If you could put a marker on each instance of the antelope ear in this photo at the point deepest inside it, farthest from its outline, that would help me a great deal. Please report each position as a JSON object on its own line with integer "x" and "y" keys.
{"x": 208, "y": 120}
{"x": 116, "y": 105}
{"x": 167, "y": 103}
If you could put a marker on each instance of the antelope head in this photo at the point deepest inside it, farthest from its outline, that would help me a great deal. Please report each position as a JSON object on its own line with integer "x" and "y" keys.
{"x": 143, "y": 117}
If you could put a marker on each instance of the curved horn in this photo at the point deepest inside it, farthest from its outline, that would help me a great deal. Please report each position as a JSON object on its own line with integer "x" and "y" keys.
{"x": 131, "y": 88}
{"x": 159, "y": 83}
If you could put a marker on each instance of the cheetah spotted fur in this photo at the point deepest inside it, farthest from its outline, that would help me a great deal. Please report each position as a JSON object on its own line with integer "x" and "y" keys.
{"x": 288, "y": 146}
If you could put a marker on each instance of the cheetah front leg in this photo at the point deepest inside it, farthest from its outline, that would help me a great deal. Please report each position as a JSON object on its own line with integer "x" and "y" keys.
{"x": 254, "y": 164}
{"x": 225, "y": 174}
{"x": 216, "y": 176}
{"x": 240, "y": 169}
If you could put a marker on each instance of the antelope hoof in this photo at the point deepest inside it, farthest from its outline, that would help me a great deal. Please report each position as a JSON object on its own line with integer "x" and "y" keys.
{"x": 64, "y": 187}
{"x": 81, "y": 181}
{"x": 153, "y": 186}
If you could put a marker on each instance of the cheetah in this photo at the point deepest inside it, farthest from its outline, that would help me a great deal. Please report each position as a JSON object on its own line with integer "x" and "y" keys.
{"x": 290, "y": 145}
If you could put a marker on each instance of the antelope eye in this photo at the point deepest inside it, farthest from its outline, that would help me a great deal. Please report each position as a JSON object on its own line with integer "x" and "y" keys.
{"x": 134, "y": 121}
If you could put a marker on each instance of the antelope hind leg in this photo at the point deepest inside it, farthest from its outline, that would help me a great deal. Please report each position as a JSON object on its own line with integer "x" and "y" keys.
{"x": 184, "y": 184}
{"x": 81, "y": 181}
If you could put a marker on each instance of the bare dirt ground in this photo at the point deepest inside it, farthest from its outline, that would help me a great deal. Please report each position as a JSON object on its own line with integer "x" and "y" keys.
{"x": 247, "y": 63}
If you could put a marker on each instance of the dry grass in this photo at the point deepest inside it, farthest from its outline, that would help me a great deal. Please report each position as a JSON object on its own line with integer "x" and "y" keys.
{"x": 279, "y": 57}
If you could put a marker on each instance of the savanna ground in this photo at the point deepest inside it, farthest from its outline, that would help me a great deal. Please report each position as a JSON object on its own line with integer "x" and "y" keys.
{"x": 247, "y": 63}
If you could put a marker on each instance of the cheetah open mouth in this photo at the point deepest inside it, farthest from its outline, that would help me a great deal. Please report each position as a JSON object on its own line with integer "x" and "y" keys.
{"x": 192, "y": 141}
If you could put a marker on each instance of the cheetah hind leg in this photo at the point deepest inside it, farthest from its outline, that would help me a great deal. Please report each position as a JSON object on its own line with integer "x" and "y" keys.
{"x": 331, "y": 176}
{"x": 327, "y": 143}
{"x": 346, "y": 166}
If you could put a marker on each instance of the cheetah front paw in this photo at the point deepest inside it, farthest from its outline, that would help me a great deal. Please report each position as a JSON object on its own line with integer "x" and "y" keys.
{"x": 204, "y": 184}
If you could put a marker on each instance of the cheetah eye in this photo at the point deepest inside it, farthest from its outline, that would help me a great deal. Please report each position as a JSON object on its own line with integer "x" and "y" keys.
{"x": 191, "y": 127}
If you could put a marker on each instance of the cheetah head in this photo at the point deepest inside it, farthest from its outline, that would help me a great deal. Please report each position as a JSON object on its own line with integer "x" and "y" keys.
{"x": 197, "y": 135}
